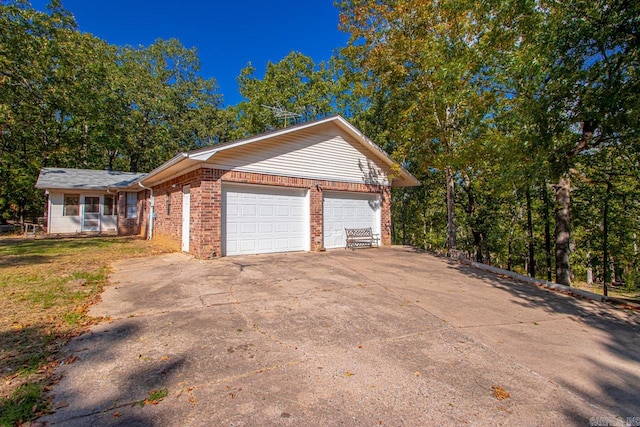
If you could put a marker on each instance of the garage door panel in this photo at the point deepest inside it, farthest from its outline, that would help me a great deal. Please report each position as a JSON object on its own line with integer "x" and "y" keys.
{"x": 282, "y": 243}
{"x": 264, "y": 219}
{"x": 265, "y": 245}
{"x": 348, "y": 210}
{"x": 265, "y": 227}
{"x": 248, "y": 228}
{"x": 247, "y": 247}
{"x": 248, "y": 210}
{"x": 266, "y": 210}
{"x": 282, "y": 211}
{"x": 232, "y": 208}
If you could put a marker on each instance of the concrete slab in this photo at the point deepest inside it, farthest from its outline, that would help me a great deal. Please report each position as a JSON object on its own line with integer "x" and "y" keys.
{"x": 371, "y": 337}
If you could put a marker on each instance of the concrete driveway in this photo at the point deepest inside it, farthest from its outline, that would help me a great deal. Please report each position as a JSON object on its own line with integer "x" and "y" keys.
{"x": 371, "y": 337}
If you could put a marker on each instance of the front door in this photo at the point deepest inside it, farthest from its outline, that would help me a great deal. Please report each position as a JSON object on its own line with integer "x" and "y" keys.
{"x": 91, "y": 213}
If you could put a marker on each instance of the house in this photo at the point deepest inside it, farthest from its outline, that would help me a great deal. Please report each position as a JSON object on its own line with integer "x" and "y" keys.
{"x": 293, "y": 189}
{"x": 93, "y": 201}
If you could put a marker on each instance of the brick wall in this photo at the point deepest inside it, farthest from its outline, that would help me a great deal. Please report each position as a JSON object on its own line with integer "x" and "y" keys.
{"x": 205, "y": 234}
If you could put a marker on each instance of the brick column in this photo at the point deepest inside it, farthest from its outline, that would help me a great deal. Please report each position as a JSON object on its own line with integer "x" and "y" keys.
{"x": 315, "y": 210}
{"x": 385, "y": 215}
{"x": 207, "y": 218}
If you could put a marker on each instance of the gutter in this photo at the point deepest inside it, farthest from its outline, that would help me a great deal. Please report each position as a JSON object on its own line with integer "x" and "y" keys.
{"x": 151, "y": 210}
{"x": 166, "y": 165}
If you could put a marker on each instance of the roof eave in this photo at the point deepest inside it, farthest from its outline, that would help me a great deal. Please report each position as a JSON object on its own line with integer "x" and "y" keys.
{"x": 148, "y": 178}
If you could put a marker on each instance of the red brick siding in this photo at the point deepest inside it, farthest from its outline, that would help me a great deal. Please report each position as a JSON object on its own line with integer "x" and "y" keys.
{"x": 168, "y": 222}
{"x": 206, "y": 206}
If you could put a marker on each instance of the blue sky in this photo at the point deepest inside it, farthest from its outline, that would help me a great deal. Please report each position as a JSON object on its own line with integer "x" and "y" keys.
{"x": 227, "y": 34}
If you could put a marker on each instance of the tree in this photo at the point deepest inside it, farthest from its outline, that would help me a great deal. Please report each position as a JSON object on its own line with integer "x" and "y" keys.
{"x": 295, "y": 84}
{"x": 420, "y": 67}
{"x": 69, "y": 99}
{"x": 166, "y": 107}
{"x": 572, "y": 73}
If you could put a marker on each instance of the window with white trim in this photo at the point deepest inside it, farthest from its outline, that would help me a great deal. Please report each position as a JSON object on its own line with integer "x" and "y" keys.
{"x": 109, "y": 205}
{"x": 71, "y": 205}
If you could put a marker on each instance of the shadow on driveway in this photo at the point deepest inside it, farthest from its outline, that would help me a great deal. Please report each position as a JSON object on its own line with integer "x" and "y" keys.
{"x": 370, "y": 337}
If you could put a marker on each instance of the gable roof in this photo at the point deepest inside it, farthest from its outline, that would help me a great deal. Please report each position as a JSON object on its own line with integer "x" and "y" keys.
{"x": 85, "y": 179}
{"x": 186, "y": 160}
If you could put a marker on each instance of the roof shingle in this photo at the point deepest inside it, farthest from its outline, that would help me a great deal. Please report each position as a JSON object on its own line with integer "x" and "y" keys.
{"x": 85, "y": 179}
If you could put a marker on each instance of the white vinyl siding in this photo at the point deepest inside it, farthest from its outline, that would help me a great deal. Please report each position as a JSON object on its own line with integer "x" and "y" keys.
{"x": 59, "y": 223}
{"x": 319, "y": 154}
{"x": 342, "y": 210}
{"x": 261, "y": 219}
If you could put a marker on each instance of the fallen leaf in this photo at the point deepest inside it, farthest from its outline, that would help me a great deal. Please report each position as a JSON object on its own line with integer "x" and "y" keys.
{"x": 499, "y": 393}
{"x": 116, "y": 415}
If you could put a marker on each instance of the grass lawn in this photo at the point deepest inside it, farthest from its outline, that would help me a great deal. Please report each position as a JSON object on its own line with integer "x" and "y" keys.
{"x": 627, "y": 293}
{"x": 46, "y": 286}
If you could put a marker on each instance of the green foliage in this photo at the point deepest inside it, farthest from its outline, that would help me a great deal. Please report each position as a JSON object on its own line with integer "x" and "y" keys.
{"x": 68, "y": 99}
{"x": 295, "y": 84}
{"x": 21, "y": 407}
{"x": 512, "y": 97}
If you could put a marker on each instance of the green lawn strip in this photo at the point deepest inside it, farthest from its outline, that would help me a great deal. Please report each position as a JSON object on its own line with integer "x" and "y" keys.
{"x": 46, "y": 287}
{"x": 26, "y": 403}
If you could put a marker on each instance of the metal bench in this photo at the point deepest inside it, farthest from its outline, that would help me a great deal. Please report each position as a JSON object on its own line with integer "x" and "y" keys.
{"x": 31, "y": 229}
{"x": 361, "y": 238}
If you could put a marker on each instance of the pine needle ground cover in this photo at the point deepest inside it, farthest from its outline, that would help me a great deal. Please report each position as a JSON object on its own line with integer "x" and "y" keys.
{"x": 46, "y": 287}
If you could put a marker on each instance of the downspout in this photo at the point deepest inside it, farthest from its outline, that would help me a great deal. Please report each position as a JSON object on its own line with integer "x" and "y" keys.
{"x": 47, "y": 193}
{"x": 151, "y": 209}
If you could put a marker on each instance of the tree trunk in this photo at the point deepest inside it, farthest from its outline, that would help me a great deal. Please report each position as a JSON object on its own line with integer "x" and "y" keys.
{"x": 547, "y": 229}
{"x": 563, "y": 229}
{"x": 451, "y": 215}
{"x": 478, "y": 241}
{"x": 606, "y": 272}
{"x": 532, "y": 258}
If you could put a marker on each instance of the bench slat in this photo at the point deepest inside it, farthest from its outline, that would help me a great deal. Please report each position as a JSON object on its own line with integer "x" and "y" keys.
{"x": 361, "y": 238}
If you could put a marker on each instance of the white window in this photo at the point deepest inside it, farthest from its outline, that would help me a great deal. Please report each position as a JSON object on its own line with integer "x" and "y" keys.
{"x": 132, "y": 205}
{"x": 109, "y": 207}
{"x": 71, "y": 206}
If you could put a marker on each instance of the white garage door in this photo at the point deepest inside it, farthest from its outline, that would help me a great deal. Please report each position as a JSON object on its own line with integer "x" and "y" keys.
{"x": 348, "y": 210}
{"x": 260, "y": 220}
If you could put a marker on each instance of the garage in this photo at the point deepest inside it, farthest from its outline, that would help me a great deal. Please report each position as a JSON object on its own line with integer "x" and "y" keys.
{"x": 261, "y": 219}
{"x": 342, "y": 210}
